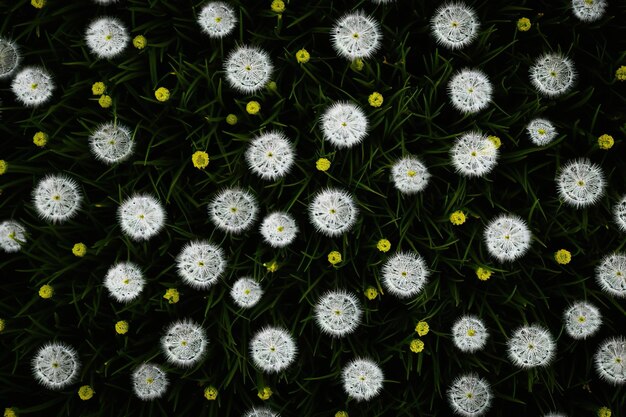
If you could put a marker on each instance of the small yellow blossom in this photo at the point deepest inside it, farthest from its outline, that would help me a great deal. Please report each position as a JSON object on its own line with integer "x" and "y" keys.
{"x": 231, "y": 119}
{"x": 605, "y": 142}
{"x": 200, "y": 159}
{"x": 162, "y": 94}
{"x": 620, "y": 74}
{"x": 98, "y": 88}
{"x": 483, "y": 274}
{"x": 334, "y": 257}
{"x": 105, "y": 101}
{"x": 2, "y": 325}
{"x": 562, "y": 256}
{"x": 371, "y": 293}
{"x": 322, "y": 164}
{"x": 303, "y": 56}
{"x": 457, "y": 218}
{"x": 416, "y": 346}
{"x": 265, "y": 393}
{"x": 272, "y": 266}
{"x": 375, "y": 99}
{"x": 46, "y": 291}
{"x": 253, "y": 107}
{"x": 278, "y": 6}
{"x": 495, "y": 140}
{"x": 121, "y": 327}
{"x": 272, "y": 86}
{"x": 523, "y": 25}
{"x": 383, "y": 245}
{"x": 38, "y": 4}
{"x": 3, "y": 166}
{"x": 140, "y": 42}
{"x": 604, "y": 412}
{"x": 422, "y": 328}
{"x": 85, "y": 392}
{"x": 210, "y": 393}
{"x": 341, "y": 414}
{"x": 357, "y": 64}
{"x": 79, "y": 249}
{"x": 40, "y": 139}
{"x": 172, "y": 295}
{"x": 9, "y": 412}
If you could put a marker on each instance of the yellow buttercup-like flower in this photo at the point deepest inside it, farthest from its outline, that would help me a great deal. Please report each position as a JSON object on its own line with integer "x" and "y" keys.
{"x": 278, "y": 6}
{"x": 563, "y": 256}
{"x": 231, "y": 119}
{"x": 457, "y": 218}
{"x": 162, "y": 94}
{"x": 620, "y": 74}
{"x": 523, "y": 24}
{"x": 371, "y": 293}
{"x": 121, "y": 327}
{"x": 383, "y": 245}
{"x": 495, "y": 140}
{"x": 303, "y": 56}
{"x": 265, "y": 393}
{"x": 38, "y": 4}
{"x": 40, "y": 139}
{"x": 604, "y": 412}
{"x": 9, "y": 412}
{"x": 85, "y": 392}
{"x": 416, "y": 346}
{"x": 200, "y": 159}
{"x": 210, "y": 393}
{"x": 341, "y": 414}
{"x": 172, "y": 295}
{"x": 105, "y": 101}
{"x": 46, "y": 291}
{"x": 98, "y": 88}
{"x": 140, "y": 42}
{"x": 483, "y": 274}
{"x": 375, "y": 99}
{"x": 422, "y": 328}
{"x": 253, "y": 107}
{"x": 322, "y": 164}
{"x": 605, "y": 142}
{"x": 79, "y": 249}
{"x": 334, "y": 257}
{"x": 3, "y": 166}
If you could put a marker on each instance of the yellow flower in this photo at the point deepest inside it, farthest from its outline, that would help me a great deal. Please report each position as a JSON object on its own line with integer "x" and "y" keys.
{"x": 121, "y": 327}
{"x": 46, "y": 291}
{"x": 79, "y": 249}
{"x": 171, "y": 295}
{"x": 253, "y": 107}
{"x": 523, "y": 25}
{"x": 210, "y": 393}
{"x": 272, "y": 266}
{"x": 3, "y": 166}
{"x": 2, "y": 325}
{"x": 231, "y": 119}
{"x": 105, "y": 101}
{"x": 416, "y": 346}
{"x": 357, "y": 64}
{"x": 483, "y": 274}
{"x": 9, "y": 412}
{"x": 422, "y": 328}
{"x": 98, "y": 88}
{"x": 495, "y": 140}
{"x": 200, "y": 159}
{"x": 334, "y": 257}
{"x": 140, "y": 42}
{"x": 457, "y": 218}
{"x": 341, "y": 414}
{"x": 303, "y": 56}
{"x": 40, "y": 139}
{"x": 162, "y": 94}
{"x": 278, "y": 6}
{"x": 265, "y": 393}
{"x": 375, "y": 99}
{"x": 383, "y": 245}
{"x": 604, "y": 412}
{"x": 371, "y": 293}
{"x": 322, "y": 164}
{"x": 38, "y": 4}
{"x": 563, "y": 256}
{"x": 605, "y": 141}
{"x": 85, "y": 392}
{"x": 620, "y": 74}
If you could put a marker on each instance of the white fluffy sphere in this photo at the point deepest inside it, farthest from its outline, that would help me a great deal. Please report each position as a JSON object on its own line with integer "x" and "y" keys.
{"x": 111, "y": 143}
{"x": 273, "y": 349}
{"x": 470, "y": 91}
{"x": 57, "y": 198}
{"x": 217, "y": 19}
{"x": 107, "y": 37}
{"x": 405, "y": 274}
{"x": 279, "y": 229}
{"x": 124, "y": 281}
{"x": 541, "y": 131}
{"x": 531, "y": 346}
{"x": 589, "y": 10}
{"x": 248, "y": 69}
{"x": 32, "y": 86}
{"x": 200, "y": 264}
{"x": 12, "y": 236}
{"x": 338, "y": 313}
{"x": 409, "y": 175}
{"x": 246, "y": 292}
{"x": 473, "y": 155}
{"x": 469, "y": 395}
{"x": 582, "y": 320}
{"x": 55, "y": 365}
{"x": 141, "y": 217}
{"x": 233, "y": 210}
{"x": 611, "y": 275}
{"x": 344, "y": 124}
{"x": 552, "y": 74}
{"x": 9, "y": 58}
{"x": 149, "y": 381}
{"x": 469, "y": 333}
{"x": 355, "y": 35}
{"x": 580, "y": 183}
{"x": 362, "y": 379}
{"x": 184, "y": 343}
{"x": 333, "y": 212}
{"x": 610, "y": 360}
{"x": 507, "y": 237}
{"x": 454, "y": 25}
{"x": 270, "y": 155}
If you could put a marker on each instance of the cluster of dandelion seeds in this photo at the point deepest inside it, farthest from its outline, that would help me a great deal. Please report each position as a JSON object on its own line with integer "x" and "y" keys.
{"x": 338, "y": 313}
{"x": 57, "y": 198}
{"x": 470, "y": 396}
{"x": 611, "y": 274}
{"x": 55, "y": 365}
{"x": 217, "y": 19}
{"x": 473, "y": 155}
{"x": 362, "y": 379}
{"x": 580, "y": 183}
{"x": 12, "y": 236}
{"x": 405, "y": 274}
{"x": 184, "y": 343}
{"x": 200, "y": 264}
{"x": 333, "y": 212}
{"x": 149, "y": 381}
{"x": 124, "y": 281}
{"x": 141, "y": 217}
{"x": 111, "y": 143}
{"x": 355, "y": 35}
{"x": 273, "y": 349}
{"x": 248, "y": 69}
{"x": 270, "y": 155}
{"x": 233, "y": 210}
{"x": 531, "y": 346}
{"x": 246, "y": 292}
{"x": 106, "y": 37}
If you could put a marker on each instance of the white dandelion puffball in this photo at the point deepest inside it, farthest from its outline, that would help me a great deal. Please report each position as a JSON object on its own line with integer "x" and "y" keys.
{"x": 470, "y": 91}
{"x": 611, "y": 275}
{"x": 338, "y": 313}
{"x": 580, "y": 183}
{"x": 530, "y": 346}
{"x": 405, "y": 274}
{"x": 355, "y": 35}
{"x": 106, "y": 37}
{"x": 554, "y": 415}
{"x": 32, "y": 86}
{"x": 260, "y": 412}
{"x": 552, "y": 74}
{"x": 333, "y": 212}
{"x": 279, "y": 229}
{"x": 248, "y": 69}
{"x": 409, "y": 175}
{"x": 610, "y": 360}
{"x": 619, "y": 211}
{"x": 344, "y": 124}
{"x": 233, "y": 210}
{"x": 470, "y": 395}
{"x": 507, "y": 237}
{"x": 473, "y": 155}
{"x": 149, "y": 381}
{"x": 141, "y": 216}
{"x": 454, "y": 25}
{"x": 57, "y": 198}
{"x": 246, "y": 292}
{"x": 105, "y": 2}
{"x": 541, "y": 131}
{"x": 9, "y": 58}
{"x": 125, "y": 281}
{"x": 217, "y": 19}
{"x": 200, "y": 264}
{"x": 111, "y": 143}
{"x": 12, "y": 236}
{"x": 589, "y": 10}
{"x": 184, "y": 343}
{"x": 273, "y": 349}
{"x": 270, "y": 155}
{"x": 362, "y": 379}
{"x": 469, "y": 334}
{"x": 55, "y": 365}
{"x": 582, "y": 320}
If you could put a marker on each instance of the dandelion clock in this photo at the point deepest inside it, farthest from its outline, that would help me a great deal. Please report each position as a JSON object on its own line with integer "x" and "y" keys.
{"x": 611, "y": 275}
{"x": 149, "y": 381}
{"x": 248, "y": 69}
{"x": 362, "y": 379}
{"x": 260, "y": 412}
{"x": 55, "y": 365}
{"x": 279, "y": 229}
{"x": 473, "y": 155}
{"x": 270, "y": 155}
{"x": 273, "y": 349}
{"x": 12, "y": 236}
{"x": 454, "y": 25}
{"x": 338, "y": 313}
{"x": 32, "y": 86}
{"x": 552, "y": 74}
{"x": 469, "y": 334}
{"x": 141, "y": 217}
{"x": 184, "y": 343}
{"x": 507, "y": 237}
{"x": 124, "y": 281}
{"x": 409, "y": 175}
{"x": 470, "y": 91}
{"x": 582, "y": 320}
{"x": 405, "y": 274}
{"x": 619, "y": 212}
{"x": 246, "y": 292}
{"x": 200, "y": 264}
{"x": 541, "y": 131}
{"x": 233, "y": 210}
{"x": 469, "y": 396}
{"x": 106, "y": 37}
{"x": 344, "y": 124}
{"x": 589, "y": 10}
{"x": 57, "y": 198}
{"x": 355, "y": 35}
{"x": 111, "y": 143}
{"x": 580, "y": 183}
{"x": 333, "y": 212}
{"x": 9, "y": 58}
{"x": 217, "y": 19}
{"x": 531, "y": 346}
{"x": 610, "y": 360}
